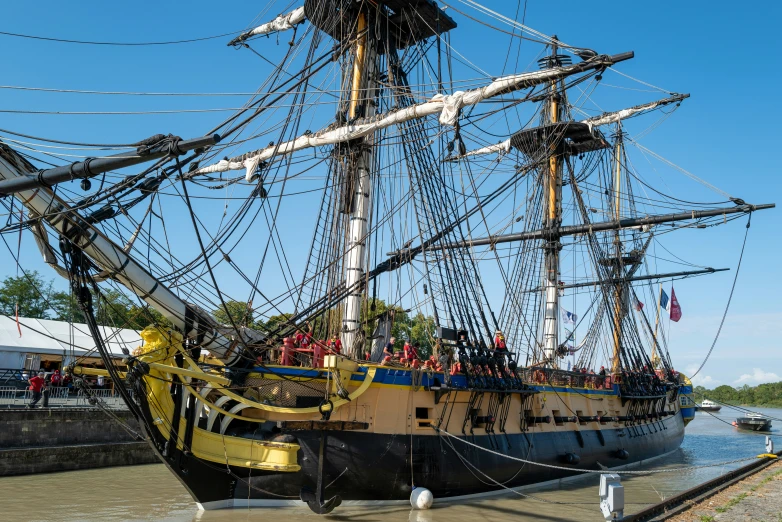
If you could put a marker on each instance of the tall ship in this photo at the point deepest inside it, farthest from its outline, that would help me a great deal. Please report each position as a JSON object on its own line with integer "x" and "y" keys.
{"x": 378, "y": 275}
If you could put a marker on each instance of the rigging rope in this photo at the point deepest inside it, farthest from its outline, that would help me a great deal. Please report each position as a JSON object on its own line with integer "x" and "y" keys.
{"x": 124, "y": 44}
{"x": 730, "y": 298}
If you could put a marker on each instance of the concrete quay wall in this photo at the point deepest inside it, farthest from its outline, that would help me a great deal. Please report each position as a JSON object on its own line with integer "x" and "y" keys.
{"x": 64, "y": 439}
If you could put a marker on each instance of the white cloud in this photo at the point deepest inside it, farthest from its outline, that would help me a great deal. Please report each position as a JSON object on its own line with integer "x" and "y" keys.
{"x": 700, "y": 380}
{"x": 707, "y": 382}
{"x": 758, "y": 376}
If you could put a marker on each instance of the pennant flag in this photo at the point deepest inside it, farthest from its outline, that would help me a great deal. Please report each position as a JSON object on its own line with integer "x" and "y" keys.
{"x": 675, "y": 309}
{"x": 568, "y": 318}
{"x": 639, "y": 305}
{"x": 18, "y": 326}
{"x": 664, "y": 301}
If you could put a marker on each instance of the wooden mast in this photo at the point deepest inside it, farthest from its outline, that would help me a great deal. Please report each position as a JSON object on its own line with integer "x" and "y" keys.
{"x": 361, "y": 103}
{"x": 618, "y": 270}
{"x": 552, "y": 213}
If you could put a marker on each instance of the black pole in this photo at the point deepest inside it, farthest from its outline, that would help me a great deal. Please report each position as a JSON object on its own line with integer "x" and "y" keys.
{"x": 603, "y": 226}
{"x": 619, "y": 280}
{"x": 91, "y": 167}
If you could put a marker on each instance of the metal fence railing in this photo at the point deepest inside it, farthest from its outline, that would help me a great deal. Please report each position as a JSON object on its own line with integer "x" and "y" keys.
{"x": 60, "y": 397}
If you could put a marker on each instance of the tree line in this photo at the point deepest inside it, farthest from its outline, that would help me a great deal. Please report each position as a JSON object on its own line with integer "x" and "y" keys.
{"x": 38, "y": 299}
{"x": 769, "y": 394}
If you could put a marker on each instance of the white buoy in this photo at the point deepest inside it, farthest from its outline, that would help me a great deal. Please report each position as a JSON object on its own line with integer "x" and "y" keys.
{"x": 421, "y": 498}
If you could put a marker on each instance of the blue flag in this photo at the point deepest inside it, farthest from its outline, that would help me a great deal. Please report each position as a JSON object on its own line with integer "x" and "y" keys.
{"x": 568, "y": 317}
{"x": 664, "y": 301}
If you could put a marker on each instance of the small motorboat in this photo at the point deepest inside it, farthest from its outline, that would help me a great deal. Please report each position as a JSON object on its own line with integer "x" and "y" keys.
{"x": 753, "y": 422}
{"x": 708, "y": 405}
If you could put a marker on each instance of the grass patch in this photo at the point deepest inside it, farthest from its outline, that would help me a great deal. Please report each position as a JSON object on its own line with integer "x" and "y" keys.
{"x": 766, "y": 481}
{"x": 707, "y": 518}
{"x": 730, "y": 503}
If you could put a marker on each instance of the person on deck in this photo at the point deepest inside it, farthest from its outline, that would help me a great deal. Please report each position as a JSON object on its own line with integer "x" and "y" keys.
{"x": 463, "y": 341}
{"x": 499, "y": 342}
{"x": 411, "y": 353}
{"x": 335, "y": 344}
{"x": 299, "y": 338}
{"x": 56, "y": 378}
{"x": 388, "y": 349}
{"x": 602, "y": 374}
{"x": 36, "y": 385}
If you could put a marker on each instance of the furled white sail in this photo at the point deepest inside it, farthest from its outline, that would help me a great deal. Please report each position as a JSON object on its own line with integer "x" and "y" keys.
{"x": 447, "y": 106}
{"x": 613, "y": 117}
{"x": 283, "y": 22}
{"x": 595, "y": 121}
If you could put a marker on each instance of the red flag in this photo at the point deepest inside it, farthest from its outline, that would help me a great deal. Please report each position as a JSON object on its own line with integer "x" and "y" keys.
{"x": 676, "y": 310}
{"x": 639, "y": 305}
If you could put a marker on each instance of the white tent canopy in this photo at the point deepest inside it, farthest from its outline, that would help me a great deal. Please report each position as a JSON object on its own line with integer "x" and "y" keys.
{"x": 47, "y": 337}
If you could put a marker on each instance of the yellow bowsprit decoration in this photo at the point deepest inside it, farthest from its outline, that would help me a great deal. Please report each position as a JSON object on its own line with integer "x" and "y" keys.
{"x": 767, "y": 456}
{"x": 157, "y": 341}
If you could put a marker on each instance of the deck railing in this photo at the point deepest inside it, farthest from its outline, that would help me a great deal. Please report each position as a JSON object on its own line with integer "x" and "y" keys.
{"x": 61, "y": 397}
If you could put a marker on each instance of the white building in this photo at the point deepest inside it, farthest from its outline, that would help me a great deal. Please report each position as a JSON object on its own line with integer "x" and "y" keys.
{"x": 57, "y": 342}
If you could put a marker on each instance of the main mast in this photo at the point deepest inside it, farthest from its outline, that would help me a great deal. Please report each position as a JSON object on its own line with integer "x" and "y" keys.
{"x": 553, "y": 216}
{"x": 362, "y": 102}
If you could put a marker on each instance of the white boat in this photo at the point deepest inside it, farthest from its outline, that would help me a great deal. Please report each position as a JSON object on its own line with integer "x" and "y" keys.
{"x": 708, "y": 405}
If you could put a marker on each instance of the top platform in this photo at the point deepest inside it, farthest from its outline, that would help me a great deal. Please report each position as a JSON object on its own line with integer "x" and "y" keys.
{"x": 405, "y": 21}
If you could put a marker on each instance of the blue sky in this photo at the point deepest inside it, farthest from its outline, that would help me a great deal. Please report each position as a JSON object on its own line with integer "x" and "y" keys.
{"x": 727, "y": 133}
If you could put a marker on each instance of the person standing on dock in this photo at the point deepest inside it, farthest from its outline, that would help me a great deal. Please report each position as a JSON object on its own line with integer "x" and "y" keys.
{"x": 36, "y": 385}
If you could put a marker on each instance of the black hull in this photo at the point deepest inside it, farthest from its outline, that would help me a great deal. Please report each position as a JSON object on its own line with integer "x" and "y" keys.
{"x": 755, "y": 426}
{"x": 376, "y": 467}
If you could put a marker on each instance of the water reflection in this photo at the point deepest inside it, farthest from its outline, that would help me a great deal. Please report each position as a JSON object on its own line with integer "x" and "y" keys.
{"x": 141, "y": 493}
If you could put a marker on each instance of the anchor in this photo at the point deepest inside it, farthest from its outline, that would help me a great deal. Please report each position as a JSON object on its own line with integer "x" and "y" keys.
{"x": 315, "y": 500}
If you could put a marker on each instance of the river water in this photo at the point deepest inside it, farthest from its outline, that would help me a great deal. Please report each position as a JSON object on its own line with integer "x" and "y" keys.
{"x": 152, "y": 493}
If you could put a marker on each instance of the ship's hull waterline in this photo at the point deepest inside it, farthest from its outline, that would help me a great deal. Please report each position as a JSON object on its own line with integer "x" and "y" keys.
{"x": 395, "y": 447}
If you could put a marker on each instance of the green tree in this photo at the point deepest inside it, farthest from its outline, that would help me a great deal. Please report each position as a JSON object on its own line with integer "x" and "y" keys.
{"x": 112, "y": 308}
{"x": 421, "y": 331}
{"x": 369, "y": 318}
{"x": 239, "y": 311}
{"x": 31, "y": 293}
{"x": 274, "y": 322}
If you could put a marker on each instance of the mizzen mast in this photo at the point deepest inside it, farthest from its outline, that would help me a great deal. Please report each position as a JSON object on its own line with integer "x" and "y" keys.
{"x": 618, "y": 272}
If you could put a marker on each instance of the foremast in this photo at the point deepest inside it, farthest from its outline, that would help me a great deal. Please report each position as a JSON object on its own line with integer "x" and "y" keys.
{"x": 361, "y": 104}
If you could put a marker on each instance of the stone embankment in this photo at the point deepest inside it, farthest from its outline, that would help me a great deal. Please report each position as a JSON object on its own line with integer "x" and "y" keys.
{"x": 757, "y": 498}
{"x": 65, "y": 439}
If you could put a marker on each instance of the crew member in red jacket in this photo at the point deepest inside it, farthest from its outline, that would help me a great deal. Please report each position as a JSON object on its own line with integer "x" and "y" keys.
{"x": 411, "y": 353}
{"x": 499, "y": 342}
{"x": 36, "y": 385}
{"x": 335, "y": 344}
